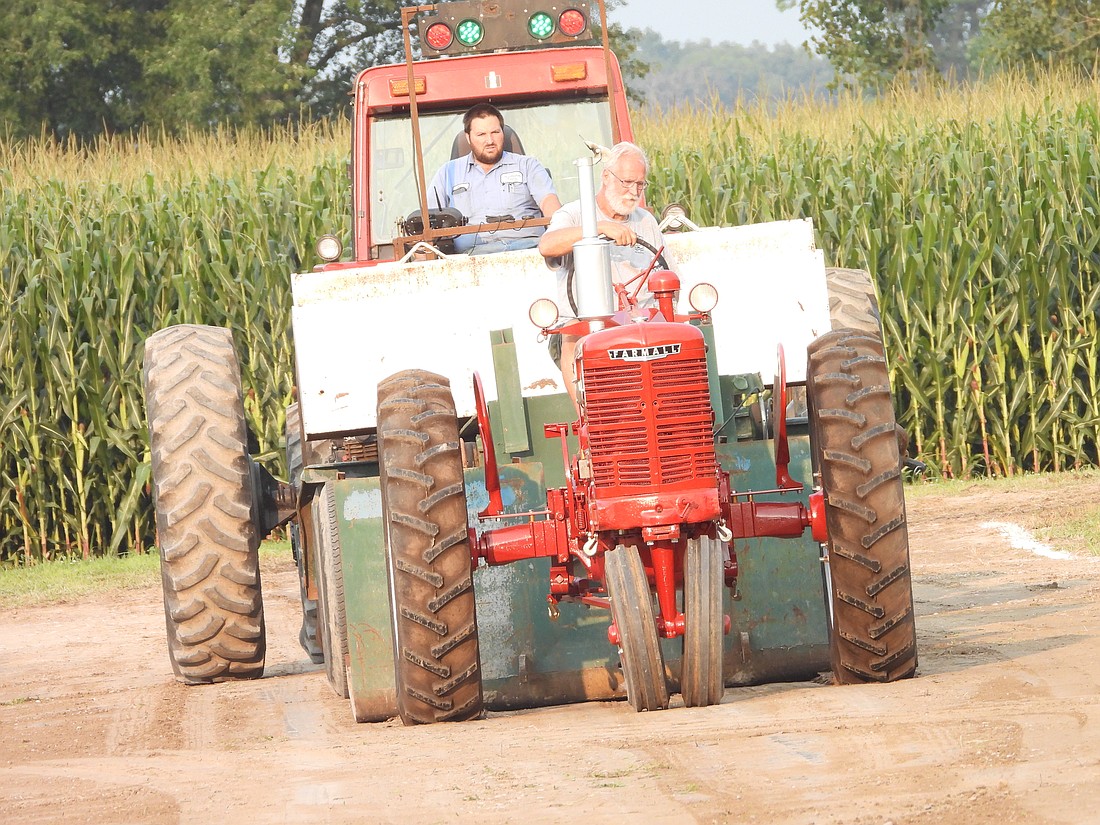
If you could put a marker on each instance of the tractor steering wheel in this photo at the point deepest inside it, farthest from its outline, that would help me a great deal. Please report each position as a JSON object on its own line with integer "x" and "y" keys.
{"x": 658, "y": 260}
{"x": 658, "y": 257}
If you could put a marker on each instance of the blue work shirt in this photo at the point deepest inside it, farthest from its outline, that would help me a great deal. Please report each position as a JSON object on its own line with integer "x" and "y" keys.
{"x": 515, "y": 186}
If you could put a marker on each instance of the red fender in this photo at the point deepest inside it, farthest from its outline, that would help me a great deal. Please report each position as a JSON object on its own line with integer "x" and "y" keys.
{"x": 492, "y": 474}
{"x": 783, "y": 478}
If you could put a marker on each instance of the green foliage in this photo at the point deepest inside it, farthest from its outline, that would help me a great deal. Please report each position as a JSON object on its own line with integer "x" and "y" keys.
{"x": 87, "y": 67}
{"x": 1040, "y": 33}
{"x": 81, "y": 68}
{"x": 977, "y": 210}
{"x": 71, "y": 65}
{"x": 66, "y": 580}
{"x": 977, "y": 213}
{"x": 728, "y": 72}
{"x": 875, "y": 43}
{"x": 95, "y": 254}
{"x": 218, "y": 63}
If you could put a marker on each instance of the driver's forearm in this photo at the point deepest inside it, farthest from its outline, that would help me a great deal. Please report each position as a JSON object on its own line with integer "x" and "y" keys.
{"x": 559, "y": 241}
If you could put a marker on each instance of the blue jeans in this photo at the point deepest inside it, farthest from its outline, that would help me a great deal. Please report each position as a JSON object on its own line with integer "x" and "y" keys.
{"x": 500, "y": 245}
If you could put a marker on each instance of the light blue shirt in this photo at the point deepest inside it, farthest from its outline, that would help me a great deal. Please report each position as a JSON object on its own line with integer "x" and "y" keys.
{"x": 515, "y": 186}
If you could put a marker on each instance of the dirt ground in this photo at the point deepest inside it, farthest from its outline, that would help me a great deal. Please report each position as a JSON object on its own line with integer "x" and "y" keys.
{"x": 1001, "y": 725}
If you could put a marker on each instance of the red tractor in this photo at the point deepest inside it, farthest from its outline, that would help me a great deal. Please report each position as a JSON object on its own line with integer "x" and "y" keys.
{"x": 458, "y": 552}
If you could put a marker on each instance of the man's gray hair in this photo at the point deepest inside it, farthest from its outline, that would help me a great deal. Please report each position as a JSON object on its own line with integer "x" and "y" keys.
{"x": 624, "y": 149}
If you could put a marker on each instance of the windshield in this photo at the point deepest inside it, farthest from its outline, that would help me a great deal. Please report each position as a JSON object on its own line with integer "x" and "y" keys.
{"x": 552, "y": 133}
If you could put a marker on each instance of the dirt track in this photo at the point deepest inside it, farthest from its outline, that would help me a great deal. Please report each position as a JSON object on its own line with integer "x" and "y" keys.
{"x": 1002, "y": 724}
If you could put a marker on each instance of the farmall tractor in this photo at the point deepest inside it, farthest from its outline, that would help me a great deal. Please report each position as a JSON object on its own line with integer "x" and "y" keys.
{"x": 467, "y": 539}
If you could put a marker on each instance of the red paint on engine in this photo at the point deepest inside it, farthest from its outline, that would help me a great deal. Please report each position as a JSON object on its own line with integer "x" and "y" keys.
{"x": 649, "y": 426}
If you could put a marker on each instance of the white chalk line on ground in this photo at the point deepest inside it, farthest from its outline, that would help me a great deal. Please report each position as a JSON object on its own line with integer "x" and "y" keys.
{"x": 1022, "y": 539}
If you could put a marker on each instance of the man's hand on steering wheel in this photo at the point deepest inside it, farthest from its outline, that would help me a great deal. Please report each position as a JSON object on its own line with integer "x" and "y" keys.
{"x": 619, "y": 233}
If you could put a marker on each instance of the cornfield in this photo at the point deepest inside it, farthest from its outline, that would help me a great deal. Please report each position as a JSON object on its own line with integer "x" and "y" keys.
{"x": 976, "y": 211}
{"x": 101, "y": 247}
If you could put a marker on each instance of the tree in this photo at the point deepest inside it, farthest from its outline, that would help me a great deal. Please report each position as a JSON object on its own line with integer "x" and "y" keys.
{"x": 954, "y": 35}
{"x": 695, "y": 73}
{"x": 871, "y": 43}
{"x": 1041, "y": 32}
{"x": 69, "y": 66}
{"x": 82, "y": 67}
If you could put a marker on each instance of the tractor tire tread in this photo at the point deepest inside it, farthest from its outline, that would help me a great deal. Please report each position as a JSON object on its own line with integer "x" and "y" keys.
{"x": 425, "y": 521}
{"x": 203, "y": 502}
{"x": 864, "y": 509}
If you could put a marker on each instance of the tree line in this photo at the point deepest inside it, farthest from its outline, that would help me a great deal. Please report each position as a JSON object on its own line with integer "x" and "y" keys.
{"x": 873, "y": 44}
{"x": 81, "y": 68}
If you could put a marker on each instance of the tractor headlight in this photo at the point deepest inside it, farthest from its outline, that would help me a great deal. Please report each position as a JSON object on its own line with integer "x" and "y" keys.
{"x": 703, "y": 297}
{"x": 543, "y": 313}
{"x": 328, "y": 247}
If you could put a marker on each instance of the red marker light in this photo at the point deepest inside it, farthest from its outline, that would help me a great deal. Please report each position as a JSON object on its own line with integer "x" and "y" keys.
{"x": 438, "y": 36}
{"x": 572, "y": 22}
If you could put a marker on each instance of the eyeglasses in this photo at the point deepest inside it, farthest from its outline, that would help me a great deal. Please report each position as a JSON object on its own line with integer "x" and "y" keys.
{"x": 639, "y": 185}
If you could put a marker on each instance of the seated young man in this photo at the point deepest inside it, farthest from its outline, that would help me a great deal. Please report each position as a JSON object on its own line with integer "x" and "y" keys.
{"x": 489, "y": 184}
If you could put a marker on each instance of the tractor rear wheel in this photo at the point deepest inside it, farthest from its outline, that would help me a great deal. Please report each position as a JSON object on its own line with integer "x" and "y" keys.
{"x": 852, "y": 301}
{"x": 330, "y": 589}
{"x": 431, "y": 583}
{"x": 701, "y": 679}
{"x": 855, "y": 451}
{"x": 203, "y": 494}
{"x": 632, "y": 612}
{"x": 307, "y": 636}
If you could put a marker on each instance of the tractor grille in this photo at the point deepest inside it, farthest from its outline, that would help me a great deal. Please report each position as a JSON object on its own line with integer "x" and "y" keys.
{"x": 635, "y": 443}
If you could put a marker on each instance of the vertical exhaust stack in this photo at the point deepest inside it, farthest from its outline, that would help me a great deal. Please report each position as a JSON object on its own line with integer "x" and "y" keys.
{"x": 591, "y": 254}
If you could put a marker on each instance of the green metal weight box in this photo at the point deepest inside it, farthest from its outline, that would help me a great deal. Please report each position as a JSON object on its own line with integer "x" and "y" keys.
{"x": 529, "y": 659}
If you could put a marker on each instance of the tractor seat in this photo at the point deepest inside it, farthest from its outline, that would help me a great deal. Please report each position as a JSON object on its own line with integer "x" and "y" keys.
{"x": 461, "y": 145}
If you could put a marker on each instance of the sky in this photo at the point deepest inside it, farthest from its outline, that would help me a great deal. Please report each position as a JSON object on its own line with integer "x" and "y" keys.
{"x": 737, "y": 21}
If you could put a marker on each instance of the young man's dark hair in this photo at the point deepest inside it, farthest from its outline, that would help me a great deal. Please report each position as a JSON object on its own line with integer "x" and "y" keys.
{"x": 481, "y": 110}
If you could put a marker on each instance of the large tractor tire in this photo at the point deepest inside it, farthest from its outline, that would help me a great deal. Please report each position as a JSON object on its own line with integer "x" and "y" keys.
{"x": 203, "y": 495}
{"x": 632, "y": 611}
{"x": 330, "y": 588}
{"x": 438, "y": 672}
{"x": 701, "y": 681}
{"x": 855, "y": 451}
{"x": 852, "y": 300}
{"x": 308, "y": 636}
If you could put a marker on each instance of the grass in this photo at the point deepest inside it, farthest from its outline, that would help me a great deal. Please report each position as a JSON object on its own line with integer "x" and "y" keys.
{"x": 1071, "y": 525}
{"x": 56, "y": 582}
{"x": 1023, "y": 482}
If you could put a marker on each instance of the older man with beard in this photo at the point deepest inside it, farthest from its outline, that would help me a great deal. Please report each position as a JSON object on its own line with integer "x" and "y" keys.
{"x": 618, "y": 218}
{"x": 490, "y": 185}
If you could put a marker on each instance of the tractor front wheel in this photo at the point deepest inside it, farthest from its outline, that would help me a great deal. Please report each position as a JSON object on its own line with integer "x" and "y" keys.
{"x": 436, "y": 661}
{"x": 855, "y": 451}
{"x": 701, "y": 680}
{"x": 632, "y": 611}
{"x": 203, "y": 495}
{"x": 307, "y": 636}
{"x": 330, "y": 589}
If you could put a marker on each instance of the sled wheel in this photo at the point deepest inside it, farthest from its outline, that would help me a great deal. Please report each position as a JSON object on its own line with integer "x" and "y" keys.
{"x": 701, "y": 681}
{"x": 202, "y": 489}
{"x": 307, "y": 636}
{"x": 855, "y": 450}
{"x": 330, "y": 590}
{"x": 431, "y": 585}
{"x": 632, "y": 612}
